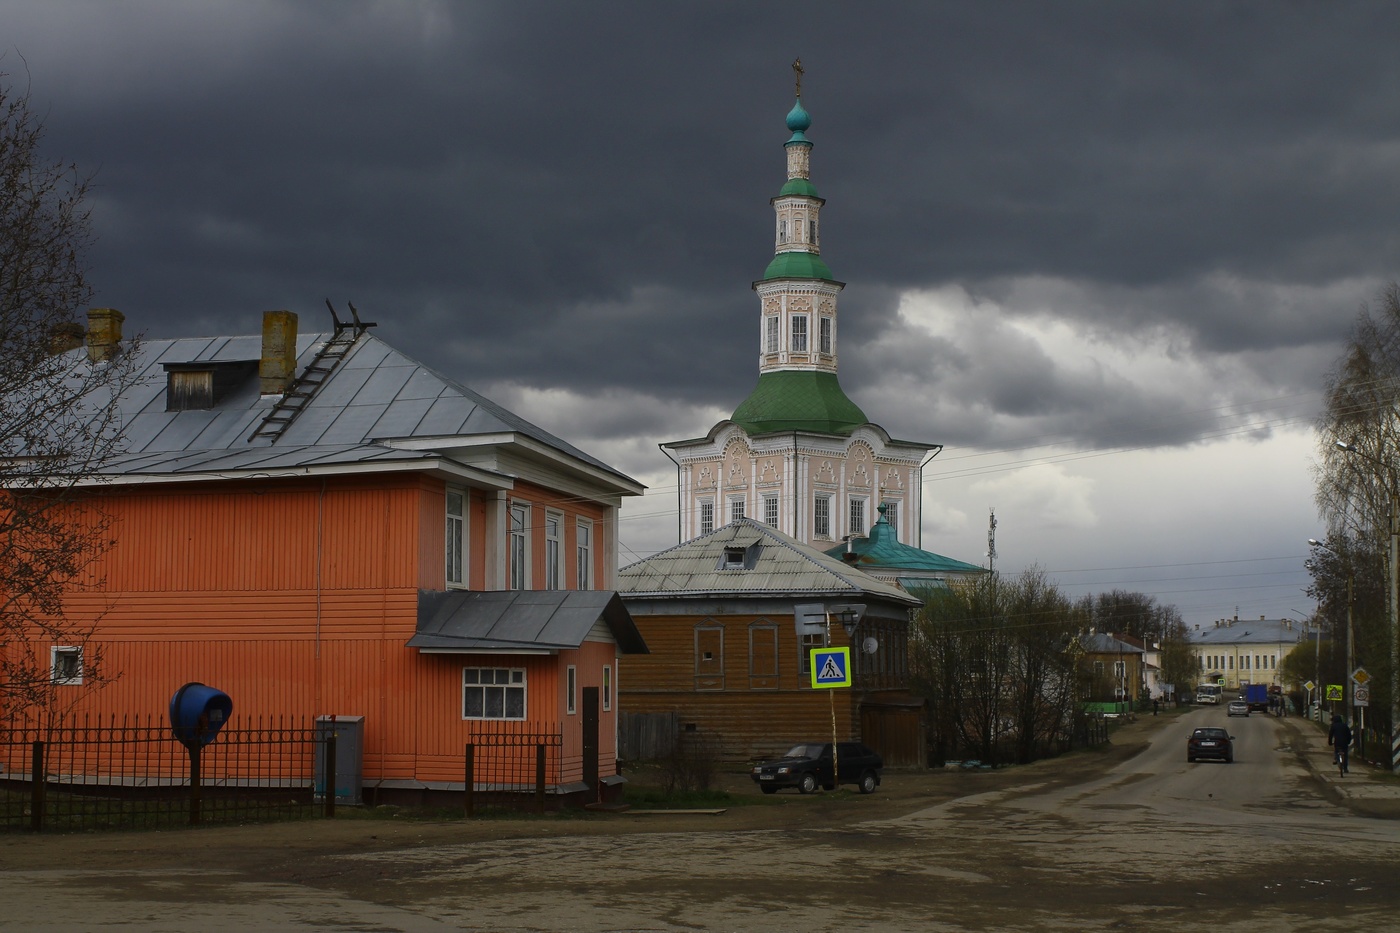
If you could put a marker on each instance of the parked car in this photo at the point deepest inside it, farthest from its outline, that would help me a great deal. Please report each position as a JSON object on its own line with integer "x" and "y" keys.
{"x": 1211, "y": 742}
{"x": 808, "y": 766}
{"x": 1237, "y": 708}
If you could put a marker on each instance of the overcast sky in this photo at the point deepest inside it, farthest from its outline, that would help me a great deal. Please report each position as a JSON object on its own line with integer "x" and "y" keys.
{"x": 1103, "y": 252}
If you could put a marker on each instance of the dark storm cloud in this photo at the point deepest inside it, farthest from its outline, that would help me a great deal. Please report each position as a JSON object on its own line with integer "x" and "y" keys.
{"x": 575, "y": 196}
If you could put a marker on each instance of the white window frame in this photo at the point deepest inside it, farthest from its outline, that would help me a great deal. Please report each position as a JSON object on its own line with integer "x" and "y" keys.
{"x": 736, "y": 508}
{"x": 66, "y": 665}
{"x": 455, "y": 538}
{"x": 519, "y": 536}
{"x": 553, "y": 550}
{"x": 583, "y": 553}
{"x": 770, "y": 511}
{"x": 855, "y": 516}
{"x": 782, "y": 230}
{"x": 821, "y": 516}
{"x": 607, "y": 690}
{"x": 571, "y": 690}
{"x": 805, "y": 643}
{"x": 798, "y": 331}
{"x": 825, "y": 330}
{"x": 509, "y": 681}
{"x": 707, "y": 516}
{"x": 772, "y": 341}
{"x": 892, "y": 513}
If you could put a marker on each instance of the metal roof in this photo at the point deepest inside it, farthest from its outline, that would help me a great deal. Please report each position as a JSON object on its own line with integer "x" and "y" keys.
{"x": 773, "y": 564}
{"x": 376, "y": 406}
{"x": 1101, "y": 643}
{"x": 882, "y": 550}
{"x": 798, "y": 400}
{"x": 520, "y": 620}
{"x": 1250, "y": 632}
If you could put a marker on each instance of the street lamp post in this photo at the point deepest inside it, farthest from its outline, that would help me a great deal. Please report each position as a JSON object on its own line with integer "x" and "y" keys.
{"x": 1349, "y": 696}
{"x": 1394, "y": 637}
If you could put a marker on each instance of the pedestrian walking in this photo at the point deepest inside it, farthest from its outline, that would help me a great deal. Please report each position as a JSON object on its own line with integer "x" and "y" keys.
{"x": 1339, "y": 737}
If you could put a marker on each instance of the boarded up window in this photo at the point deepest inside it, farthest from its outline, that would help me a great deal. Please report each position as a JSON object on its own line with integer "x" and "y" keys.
{"x": 763, "y": 656}
{"x": 190, "y": 391}
{"x": 709, "y": 657}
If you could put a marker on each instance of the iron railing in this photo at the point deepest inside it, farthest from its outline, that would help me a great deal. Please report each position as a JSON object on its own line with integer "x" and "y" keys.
{"x": 127, "y": 773}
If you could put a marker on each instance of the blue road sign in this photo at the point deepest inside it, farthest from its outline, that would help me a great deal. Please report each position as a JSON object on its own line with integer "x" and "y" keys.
{"x": 831, "y": 667}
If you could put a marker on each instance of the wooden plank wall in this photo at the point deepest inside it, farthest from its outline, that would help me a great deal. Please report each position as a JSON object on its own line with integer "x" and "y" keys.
{"x": 296, "y": 598}
{"x": 753, "y": 722}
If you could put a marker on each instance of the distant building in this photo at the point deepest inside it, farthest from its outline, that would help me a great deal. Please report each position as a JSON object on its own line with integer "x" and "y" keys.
{"x": 731, "y": 618}
{"x": 797, "y": 454}
{"x": 1115, "y": 668}
{"x": 1244, "y": 651}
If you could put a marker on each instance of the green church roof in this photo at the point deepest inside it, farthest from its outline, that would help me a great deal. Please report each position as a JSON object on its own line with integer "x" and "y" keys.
{"x": 800, "y": 265}
{"x": 798, "y": 400}
{"x": 799, "y": 186}
{"x": 882, "y": 551}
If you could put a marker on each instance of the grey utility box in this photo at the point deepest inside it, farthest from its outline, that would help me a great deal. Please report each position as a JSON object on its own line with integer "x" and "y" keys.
{"x": 347, "y": 779}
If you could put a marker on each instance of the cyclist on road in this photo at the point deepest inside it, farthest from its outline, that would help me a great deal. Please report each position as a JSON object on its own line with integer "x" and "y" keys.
{"x": 1339, "y": 737}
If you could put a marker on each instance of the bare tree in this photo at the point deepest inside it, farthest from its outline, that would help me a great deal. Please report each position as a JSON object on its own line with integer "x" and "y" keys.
{"x": 1361, "y": 398}
{"x": 1042, "y": 686}
{"x": 1358, "y": 485}
{"x": 58, "y": 420}
{"x": 993, "y": 657}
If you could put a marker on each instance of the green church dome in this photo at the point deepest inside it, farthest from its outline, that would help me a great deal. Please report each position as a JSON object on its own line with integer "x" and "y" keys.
{"x": 799, "y": 186}
{"x": 799, "y": 265}
{"x": 798, "y": 400}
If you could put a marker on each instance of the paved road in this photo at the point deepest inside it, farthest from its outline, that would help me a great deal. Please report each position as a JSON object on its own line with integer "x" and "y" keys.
{"x": 1149, "y": 843}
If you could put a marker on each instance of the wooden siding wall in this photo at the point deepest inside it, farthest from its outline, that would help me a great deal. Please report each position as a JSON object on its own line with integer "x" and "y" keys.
{"x": 544, "y": 500}
{"x": 296, "y": 598}
{"x": 337, "y": 534}
{"x": 753, "y": 722}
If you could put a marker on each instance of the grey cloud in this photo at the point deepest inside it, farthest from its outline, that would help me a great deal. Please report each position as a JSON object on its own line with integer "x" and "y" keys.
{"x": 576, "y": 196}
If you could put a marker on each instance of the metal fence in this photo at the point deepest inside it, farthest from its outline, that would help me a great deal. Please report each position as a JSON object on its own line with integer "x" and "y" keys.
{"x": 510, "y": 765}
{"x": 126, "y": 773}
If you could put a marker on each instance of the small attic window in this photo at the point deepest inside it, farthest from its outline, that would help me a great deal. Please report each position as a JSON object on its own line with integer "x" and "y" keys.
{"x": 201, "y": 386}
{"x": 738, "y": 558}
{"x": 191, "y": 390}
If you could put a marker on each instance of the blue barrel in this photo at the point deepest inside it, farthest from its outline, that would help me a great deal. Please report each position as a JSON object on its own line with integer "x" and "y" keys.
{"x": 197, "y": 713}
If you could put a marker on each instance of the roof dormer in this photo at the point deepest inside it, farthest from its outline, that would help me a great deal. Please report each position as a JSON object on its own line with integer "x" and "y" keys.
{"x": 201, "y": 385}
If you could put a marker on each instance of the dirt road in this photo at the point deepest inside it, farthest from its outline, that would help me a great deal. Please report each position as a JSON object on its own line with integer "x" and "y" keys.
{"x": 1130, "y": 838}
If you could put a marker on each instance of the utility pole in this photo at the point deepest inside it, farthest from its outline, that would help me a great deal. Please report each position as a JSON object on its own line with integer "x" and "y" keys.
{"x": 992, "y": 541}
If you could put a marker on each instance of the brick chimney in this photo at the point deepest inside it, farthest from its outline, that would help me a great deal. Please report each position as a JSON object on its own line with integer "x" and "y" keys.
{"x": 104, "y": 333}
{"x": 65, "y": 337}
{"x": 279, "y": 352}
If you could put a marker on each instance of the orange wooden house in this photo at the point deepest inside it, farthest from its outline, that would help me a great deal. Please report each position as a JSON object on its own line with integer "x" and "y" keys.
{"x": 319, "y": 525}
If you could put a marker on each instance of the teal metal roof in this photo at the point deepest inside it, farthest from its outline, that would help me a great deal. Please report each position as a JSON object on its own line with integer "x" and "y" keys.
{"x": 799, "y": 265}
{"x": 798, "y": 400}
{"x": 882, "y": 551}
{"x": 799, "y": 121}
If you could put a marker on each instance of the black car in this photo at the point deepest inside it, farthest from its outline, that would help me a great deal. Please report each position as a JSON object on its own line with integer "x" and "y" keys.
{"x": 808, "y": 766}
{"x": 1211, "y": 742}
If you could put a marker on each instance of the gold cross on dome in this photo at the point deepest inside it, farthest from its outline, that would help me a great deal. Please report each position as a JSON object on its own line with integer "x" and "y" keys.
{"x": 797, "y": 70}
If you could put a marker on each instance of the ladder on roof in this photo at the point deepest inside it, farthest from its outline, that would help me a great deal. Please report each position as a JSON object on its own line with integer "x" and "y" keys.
{"x": 301, "y": 390}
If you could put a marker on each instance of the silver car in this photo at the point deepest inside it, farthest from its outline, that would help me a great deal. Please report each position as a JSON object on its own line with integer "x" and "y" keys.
{"x": 1237, "y": 708}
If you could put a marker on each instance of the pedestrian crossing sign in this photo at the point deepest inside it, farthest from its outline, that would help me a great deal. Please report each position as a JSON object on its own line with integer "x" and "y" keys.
{"x": 831, "y": 667}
